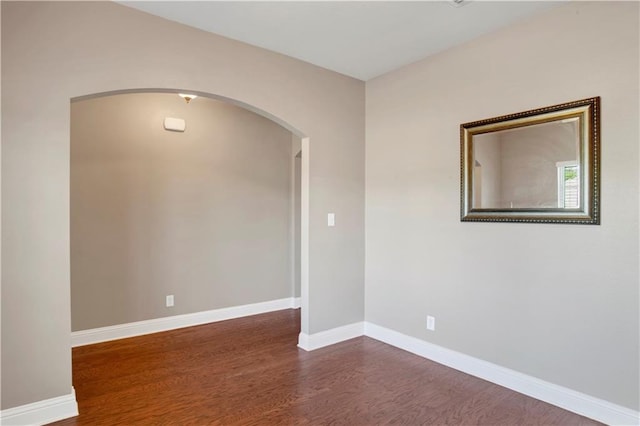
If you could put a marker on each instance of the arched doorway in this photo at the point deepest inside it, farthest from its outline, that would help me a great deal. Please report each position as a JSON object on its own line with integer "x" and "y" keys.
{"x": 157, "y": 252}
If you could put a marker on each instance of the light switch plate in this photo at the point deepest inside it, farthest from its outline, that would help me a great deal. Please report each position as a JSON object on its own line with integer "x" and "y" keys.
{"x": 331, "y": 219}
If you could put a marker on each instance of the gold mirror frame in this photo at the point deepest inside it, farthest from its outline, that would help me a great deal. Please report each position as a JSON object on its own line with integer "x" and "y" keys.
{"x": 586, "y": 114}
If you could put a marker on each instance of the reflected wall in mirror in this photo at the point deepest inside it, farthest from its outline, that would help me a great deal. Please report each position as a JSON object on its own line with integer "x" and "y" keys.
{"x": 534, "y": 166}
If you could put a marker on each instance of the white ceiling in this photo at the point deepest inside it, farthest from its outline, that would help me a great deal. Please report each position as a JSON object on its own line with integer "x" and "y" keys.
{"x": 361, "y": 39}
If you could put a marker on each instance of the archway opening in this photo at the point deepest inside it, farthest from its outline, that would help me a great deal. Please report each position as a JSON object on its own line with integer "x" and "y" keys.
{"x": 201, "y": 219}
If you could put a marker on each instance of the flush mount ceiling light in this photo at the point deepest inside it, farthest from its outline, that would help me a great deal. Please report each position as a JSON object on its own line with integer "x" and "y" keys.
{"x": 187, "y": 97}
{"x": 174, "y": 124}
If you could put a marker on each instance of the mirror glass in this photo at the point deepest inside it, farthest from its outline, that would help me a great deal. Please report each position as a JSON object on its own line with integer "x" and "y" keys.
{"x": 535, "y": 166}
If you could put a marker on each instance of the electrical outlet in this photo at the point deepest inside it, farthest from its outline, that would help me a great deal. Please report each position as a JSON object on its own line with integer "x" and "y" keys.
{"x": 169, "y": 300}
{"x": 431, "y": 323}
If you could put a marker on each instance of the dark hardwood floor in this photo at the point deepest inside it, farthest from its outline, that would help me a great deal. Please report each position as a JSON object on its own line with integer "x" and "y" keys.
{"x": 249, "y": 371}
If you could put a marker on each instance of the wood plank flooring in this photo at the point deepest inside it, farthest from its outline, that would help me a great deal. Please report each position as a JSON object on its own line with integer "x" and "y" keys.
{"x": 249, "y": 371}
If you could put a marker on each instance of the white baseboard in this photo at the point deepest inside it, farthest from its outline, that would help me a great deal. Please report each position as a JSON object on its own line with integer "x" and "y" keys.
{"x": 310, "y": 342}
{"x": 296, "y": 303}
{"x": 41, "y": 412}
{"x": 139, "y": 328}
{"x": 559, "y": 396}
{"x": 562, "y": 397}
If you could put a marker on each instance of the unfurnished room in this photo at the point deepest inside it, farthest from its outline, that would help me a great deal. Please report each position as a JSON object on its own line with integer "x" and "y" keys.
{"x": 310, "y": 213}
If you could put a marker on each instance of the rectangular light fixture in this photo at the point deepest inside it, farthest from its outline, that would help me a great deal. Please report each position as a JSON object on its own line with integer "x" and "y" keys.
{"x": 174, "y": 124}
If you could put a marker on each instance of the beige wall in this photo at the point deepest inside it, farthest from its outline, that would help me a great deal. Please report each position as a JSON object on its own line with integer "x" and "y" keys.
{"x": 55, "y": 51}
{"x": 1, "y": 316}
{"x": 203, "y": 215}
{"x": 513, "y": 294}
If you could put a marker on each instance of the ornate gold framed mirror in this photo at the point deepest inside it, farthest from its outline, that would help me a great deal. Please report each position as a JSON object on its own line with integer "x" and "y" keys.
{"x": 541, "y": 165}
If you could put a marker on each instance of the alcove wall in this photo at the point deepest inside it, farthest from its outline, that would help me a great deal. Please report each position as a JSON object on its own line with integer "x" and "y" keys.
{"x": 202, "y": 215}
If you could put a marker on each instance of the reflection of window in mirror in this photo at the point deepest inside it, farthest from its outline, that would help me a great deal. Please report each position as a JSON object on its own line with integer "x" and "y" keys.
{"x": 568, "y": 184}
